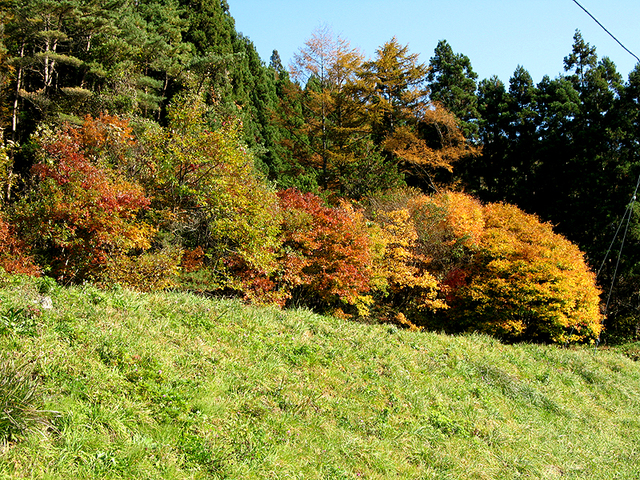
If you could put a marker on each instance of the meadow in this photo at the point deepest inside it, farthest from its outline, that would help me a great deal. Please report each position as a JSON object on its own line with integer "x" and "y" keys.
{"x": 113, "y": 384}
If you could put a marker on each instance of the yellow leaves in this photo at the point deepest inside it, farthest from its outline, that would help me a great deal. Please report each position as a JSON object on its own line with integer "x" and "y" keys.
{"x": 406, "y": 144}
{"x": 399, "y": 262}
{"x": 444, "y": 145}
{"x": 140, "y": 235}
{"x": 500, "y": 270}
{"x": 531, "y": 281}
{"x": 147, "y": 272}
{"x": 402, "y": 320}
{"x": 456, "y": 216}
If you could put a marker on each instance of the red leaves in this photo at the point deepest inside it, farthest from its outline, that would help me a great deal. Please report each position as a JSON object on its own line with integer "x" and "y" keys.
{"x": 82, "y": 211}
{"x": 13, "y": 258}
{"x": 499, "y": 270}
{"x": 327, "y": 251}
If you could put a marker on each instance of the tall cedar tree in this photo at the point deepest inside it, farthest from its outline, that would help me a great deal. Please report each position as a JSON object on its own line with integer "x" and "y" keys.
{"x": 452, "y": 83}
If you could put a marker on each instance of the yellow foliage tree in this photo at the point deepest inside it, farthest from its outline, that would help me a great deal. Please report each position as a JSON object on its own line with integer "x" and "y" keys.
{"x": 401, "y": 267}
{"x": 528, "y": 282}
{"x": 493, "y": 268}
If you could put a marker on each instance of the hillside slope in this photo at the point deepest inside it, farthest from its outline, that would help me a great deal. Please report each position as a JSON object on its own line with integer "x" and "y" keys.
{"x": 173, "y": 386}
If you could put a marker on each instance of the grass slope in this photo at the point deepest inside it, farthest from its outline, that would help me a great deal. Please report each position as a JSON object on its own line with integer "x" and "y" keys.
{"x": 172, "y": 386}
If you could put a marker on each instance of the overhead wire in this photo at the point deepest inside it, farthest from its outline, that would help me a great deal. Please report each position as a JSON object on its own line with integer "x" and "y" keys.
{"x": 629, "y": 210}
{"x": 605, "y": 29}
{"x": 624, "y": 237}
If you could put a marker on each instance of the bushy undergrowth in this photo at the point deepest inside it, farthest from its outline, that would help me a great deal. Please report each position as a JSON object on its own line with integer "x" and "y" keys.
{"x": 182, "y": 207}
{"x": 175, "y": 386}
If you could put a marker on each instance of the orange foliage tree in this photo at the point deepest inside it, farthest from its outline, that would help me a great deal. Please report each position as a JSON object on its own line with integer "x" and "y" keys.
{"x": 489, "y": 268}
{"x": 79, "y": 212}
{"x": 405, "y": 286}
{"x": 528, "y": 283}
{"x": 327, "y": 258}
{"x": 421, "y": 136}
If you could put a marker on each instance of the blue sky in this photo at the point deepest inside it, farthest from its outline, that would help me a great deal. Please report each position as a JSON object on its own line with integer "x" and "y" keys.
{"x": 497, "y": 35}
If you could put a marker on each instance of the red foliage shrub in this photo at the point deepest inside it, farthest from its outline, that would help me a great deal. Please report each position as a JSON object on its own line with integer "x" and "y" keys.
{"x": 13, "y": 258}
{"x": 327, "y": 256}
{"x": 79, "y": 213}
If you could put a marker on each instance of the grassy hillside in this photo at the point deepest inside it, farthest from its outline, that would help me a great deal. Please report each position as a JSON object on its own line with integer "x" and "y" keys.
{"x": 172, "y": 386}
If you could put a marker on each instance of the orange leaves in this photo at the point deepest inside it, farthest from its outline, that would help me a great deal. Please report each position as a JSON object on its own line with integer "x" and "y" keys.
{"x": 436, "y": 142}
{"x": 326, "y": 250}
{"x": 456, "y": 217}
{"x": 81, "y": 212}
{"x": 400, "y": 263}
{"x": 107, "y": 135}
{"x": 498, "y": 269}
{"x": 529, "y": 282}
{"x": 13, "y": 257}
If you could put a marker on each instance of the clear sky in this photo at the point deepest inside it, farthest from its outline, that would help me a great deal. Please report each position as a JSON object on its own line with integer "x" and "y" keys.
{"x": 497, "y": 35}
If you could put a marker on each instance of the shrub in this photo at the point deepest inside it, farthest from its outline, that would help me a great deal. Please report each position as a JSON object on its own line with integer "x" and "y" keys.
{"x": 208, "y": 197}
{"x": 407, "y": 287}
{"x": 147, "y": 272}
{"x": 492, "y": 268}
{"x": 527, "y": 282}
{"x": 450, "y": 226}
{"x": 13, "y": 256}
{"x": 423, "y": 238}
{"x": 327, "y": 258}
{"x": 79, "y": 213}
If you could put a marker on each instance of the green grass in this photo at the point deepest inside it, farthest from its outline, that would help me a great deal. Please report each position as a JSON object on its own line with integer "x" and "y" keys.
{"x": 172, "y": 386}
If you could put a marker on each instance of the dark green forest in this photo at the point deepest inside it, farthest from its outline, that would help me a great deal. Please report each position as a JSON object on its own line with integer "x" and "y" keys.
{"x": 146, "y": 143}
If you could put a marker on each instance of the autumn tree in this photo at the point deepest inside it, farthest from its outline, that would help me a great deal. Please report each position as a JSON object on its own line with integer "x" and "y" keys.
{"x": 207, "y": 195}
{"x": 394, "y": 87}
{"x": 527, "y": 283}
{"x": 327, "y": 259}
{"x": 79, "y": 212}
{"x": 405, "y": 288}
{"x": 459, "y": 265}
{"x": 333, "y": 121}
{"x": 562, "y": 149}
{"x": 422, "y": 136}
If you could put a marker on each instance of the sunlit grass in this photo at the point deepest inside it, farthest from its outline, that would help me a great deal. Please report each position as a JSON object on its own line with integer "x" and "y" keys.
{"x": 176, "y": 386}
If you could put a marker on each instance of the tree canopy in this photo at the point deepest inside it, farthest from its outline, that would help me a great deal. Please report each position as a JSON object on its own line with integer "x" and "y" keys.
{"x": 146, "y": 142}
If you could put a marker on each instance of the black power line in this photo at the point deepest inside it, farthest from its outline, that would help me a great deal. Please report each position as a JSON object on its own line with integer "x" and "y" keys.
{"x": 603, "y": 27}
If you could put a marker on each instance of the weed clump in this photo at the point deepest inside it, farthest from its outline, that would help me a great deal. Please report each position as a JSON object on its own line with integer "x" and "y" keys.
{"x": 20, "y": 397}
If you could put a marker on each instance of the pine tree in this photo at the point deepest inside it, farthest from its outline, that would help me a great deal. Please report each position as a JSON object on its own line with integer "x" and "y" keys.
{"x": 482, "y": 175}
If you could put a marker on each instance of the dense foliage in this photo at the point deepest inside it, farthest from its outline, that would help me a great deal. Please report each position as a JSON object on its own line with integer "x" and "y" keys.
{"x": 78, "y": 213}
{"x": 148, "y": 145}
{"x": 526, "y": 282}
